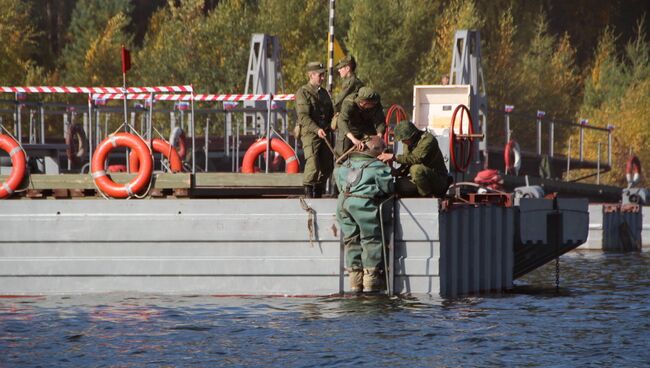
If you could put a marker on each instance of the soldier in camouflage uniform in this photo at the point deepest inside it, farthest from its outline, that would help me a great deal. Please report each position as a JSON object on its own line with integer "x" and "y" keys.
{"x": 422, "y": 160}
{"x": 350, "y": 83}
{"x": 362, "y": 116}
{"x": 315, "y": 111}
{"x": 363, "y": 182}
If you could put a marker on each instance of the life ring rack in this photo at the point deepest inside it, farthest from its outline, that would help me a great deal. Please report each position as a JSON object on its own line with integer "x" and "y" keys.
{"x": 177, "y": 136}
{"x": 18, "y": 165}
{"x": 77, "y": 143}
{"x": 633, "y": 170}
{"x": 98, "y": 170}
{"x": 163, "y": 147}
{"x": 292, "y": 165}
{"x": 512, "y": 148}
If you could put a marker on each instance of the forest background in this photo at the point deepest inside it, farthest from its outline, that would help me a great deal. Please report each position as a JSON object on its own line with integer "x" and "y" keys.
{"x": 579, "y": 59}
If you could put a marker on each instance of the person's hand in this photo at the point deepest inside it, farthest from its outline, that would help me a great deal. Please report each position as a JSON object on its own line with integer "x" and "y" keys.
{"x": 385, "y": 157}
{"x": 321, "y": 133}
{"x": 358, "y": 144}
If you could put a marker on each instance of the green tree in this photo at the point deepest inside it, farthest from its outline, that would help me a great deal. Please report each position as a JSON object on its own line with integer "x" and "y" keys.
{"x": 95, "y": 24}
{"x": 18, "y": 37}
{"x": 458, "y": 14}
{"x": 617, "y": 92}
{"x": 388, "y": 38}
{"x": 210, "y": 51}
{"x": 302, "y": 26}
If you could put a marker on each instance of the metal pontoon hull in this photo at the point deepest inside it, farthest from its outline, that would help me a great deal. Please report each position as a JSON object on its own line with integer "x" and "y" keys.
{"x": 235, "y": 247}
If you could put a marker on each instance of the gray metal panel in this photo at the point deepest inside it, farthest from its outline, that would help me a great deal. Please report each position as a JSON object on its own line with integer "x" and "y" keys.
{"x": 595, "y": 237}
{"x": 216, "y": 246}
{"x": 575, "y": 222}
{"x": 476, "y": 249}
{"x": 622, "y": 230}
{"x": 532, "y": 220}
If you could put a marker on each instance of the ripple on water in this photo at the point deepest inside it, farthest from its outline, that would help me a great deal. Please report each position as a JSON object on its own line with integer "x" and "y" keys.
{"x": 599, "y": 317}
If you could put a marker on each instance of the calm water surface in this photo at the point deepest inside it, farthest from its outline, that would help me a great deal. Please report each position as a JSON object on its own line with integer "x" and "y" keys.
{"x": 600, "y": 317}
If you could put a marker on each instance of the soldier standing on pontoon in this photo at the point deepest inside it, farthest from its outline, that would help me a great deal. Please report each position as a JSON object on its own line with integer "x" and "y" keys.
{"x": 315, "y": 111}
{"x": 350, "y": 84}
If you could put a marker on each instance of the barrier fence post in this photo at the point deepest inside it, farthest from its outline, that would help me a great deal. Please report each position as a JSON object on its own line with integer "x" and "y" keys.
{"x": 568, "y": 161}
{"x": 193, "y": 133}
{"x": 207, "y": 140}
{"x": 598, "y": 166}
{"x": 42, "y": 112}
{"x": 268, "y": 131}
{"x": 90, "y": 128}
{"x": 609, "y": 144}
{"x": 551, "y": 137}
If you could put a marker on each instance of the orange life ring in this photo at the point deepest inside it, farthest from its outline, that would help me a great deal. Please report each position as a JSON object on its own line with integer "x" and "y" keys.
{"x": 160, "y": 146}
{"x": 108, "y": 186}
{"x": 178, "y": 137}
{"x": 512, "y": 147}
{"x": 633, "y": 170}
{"x": 292, "y": 165}
{"x": 77, "y": 143}
{"x": 18, "y": 160}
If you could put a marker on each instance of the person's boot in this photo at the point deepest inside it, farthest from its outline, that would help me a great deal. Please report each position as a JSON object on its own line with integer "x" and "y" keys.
{"x": 309, "y": 191}
{"x": 372, "y": 280}
{"x": 318, "y": 191}
{"x": 355, "y": 277}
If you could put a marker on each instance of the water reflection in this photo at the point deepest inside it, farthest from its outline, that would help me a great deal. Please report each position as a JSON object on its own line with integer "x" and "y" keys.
{"x": 600, "y": 316}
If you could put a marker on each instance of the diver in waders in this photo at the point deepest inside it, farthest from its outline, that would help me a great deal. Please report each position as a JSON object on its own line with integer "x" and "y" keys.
{"x": 363, "y": 182}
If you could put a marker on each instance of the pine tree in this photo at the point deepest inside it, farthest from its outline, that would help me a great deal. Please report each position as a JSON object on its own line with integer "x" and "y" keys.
{"x": 18, "y": 37}
{"x": 458, "y": 14}
{"x": 209, "y": 50}
{"x": 91, "y": 27}
{"x": 388, "y": 39}
{"x": 302, "y": 27}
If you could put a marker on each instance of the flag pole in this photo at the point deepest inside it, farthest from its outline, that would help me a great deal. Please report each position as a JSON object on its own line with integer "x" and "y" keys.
{"x": 330, "y": 48}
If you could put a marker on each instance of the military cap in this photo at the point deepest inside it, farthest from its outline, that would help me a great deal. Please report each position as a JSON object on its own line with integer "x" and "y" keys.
{"x": 315, "y": 66}
{"x": 368, "y": 94}
{"x": 347, "y": 60}
{"x": 405, "y": 130}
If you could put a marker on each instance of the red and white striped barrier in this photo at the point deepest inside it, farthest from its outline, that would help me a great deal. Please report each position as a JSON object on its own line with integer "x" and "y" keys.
{"x": 165, "y": 89}
{"x": 103, "y": 90}
{"x": 198, "y": 97}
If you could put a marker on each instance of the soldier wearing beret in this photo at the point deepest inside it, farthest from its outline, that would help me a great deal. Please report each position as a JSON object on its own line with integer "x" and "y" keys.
{"x": 422, "y": 162}
{"x": 362, "y": 116}
{"x": 315, "y": 111}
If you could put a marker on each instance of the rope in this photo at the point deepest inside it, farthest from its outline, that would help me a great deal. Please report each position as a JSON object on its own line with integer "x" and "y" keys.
{"x": 310, "y": 219}
{"x": 345, "y": 154}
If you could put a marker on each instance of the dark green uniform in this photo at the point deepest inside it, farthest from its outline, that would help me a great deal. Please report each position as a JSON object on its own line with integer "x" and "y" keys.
{"x": 350, "y": 86}
{"x": 358, "y": 121}
{"x": 363, "y": 182}
{"x": 315, "y": 111}
{"x": 426, "y": 165}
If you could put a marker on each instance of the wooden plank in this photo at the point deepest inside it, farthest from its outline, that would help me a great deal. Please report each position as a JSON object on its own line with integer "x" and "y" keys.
{"x": 235, "y": 180}
{"x": 167, "y": 180}
{"x": 84, "y": 181}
